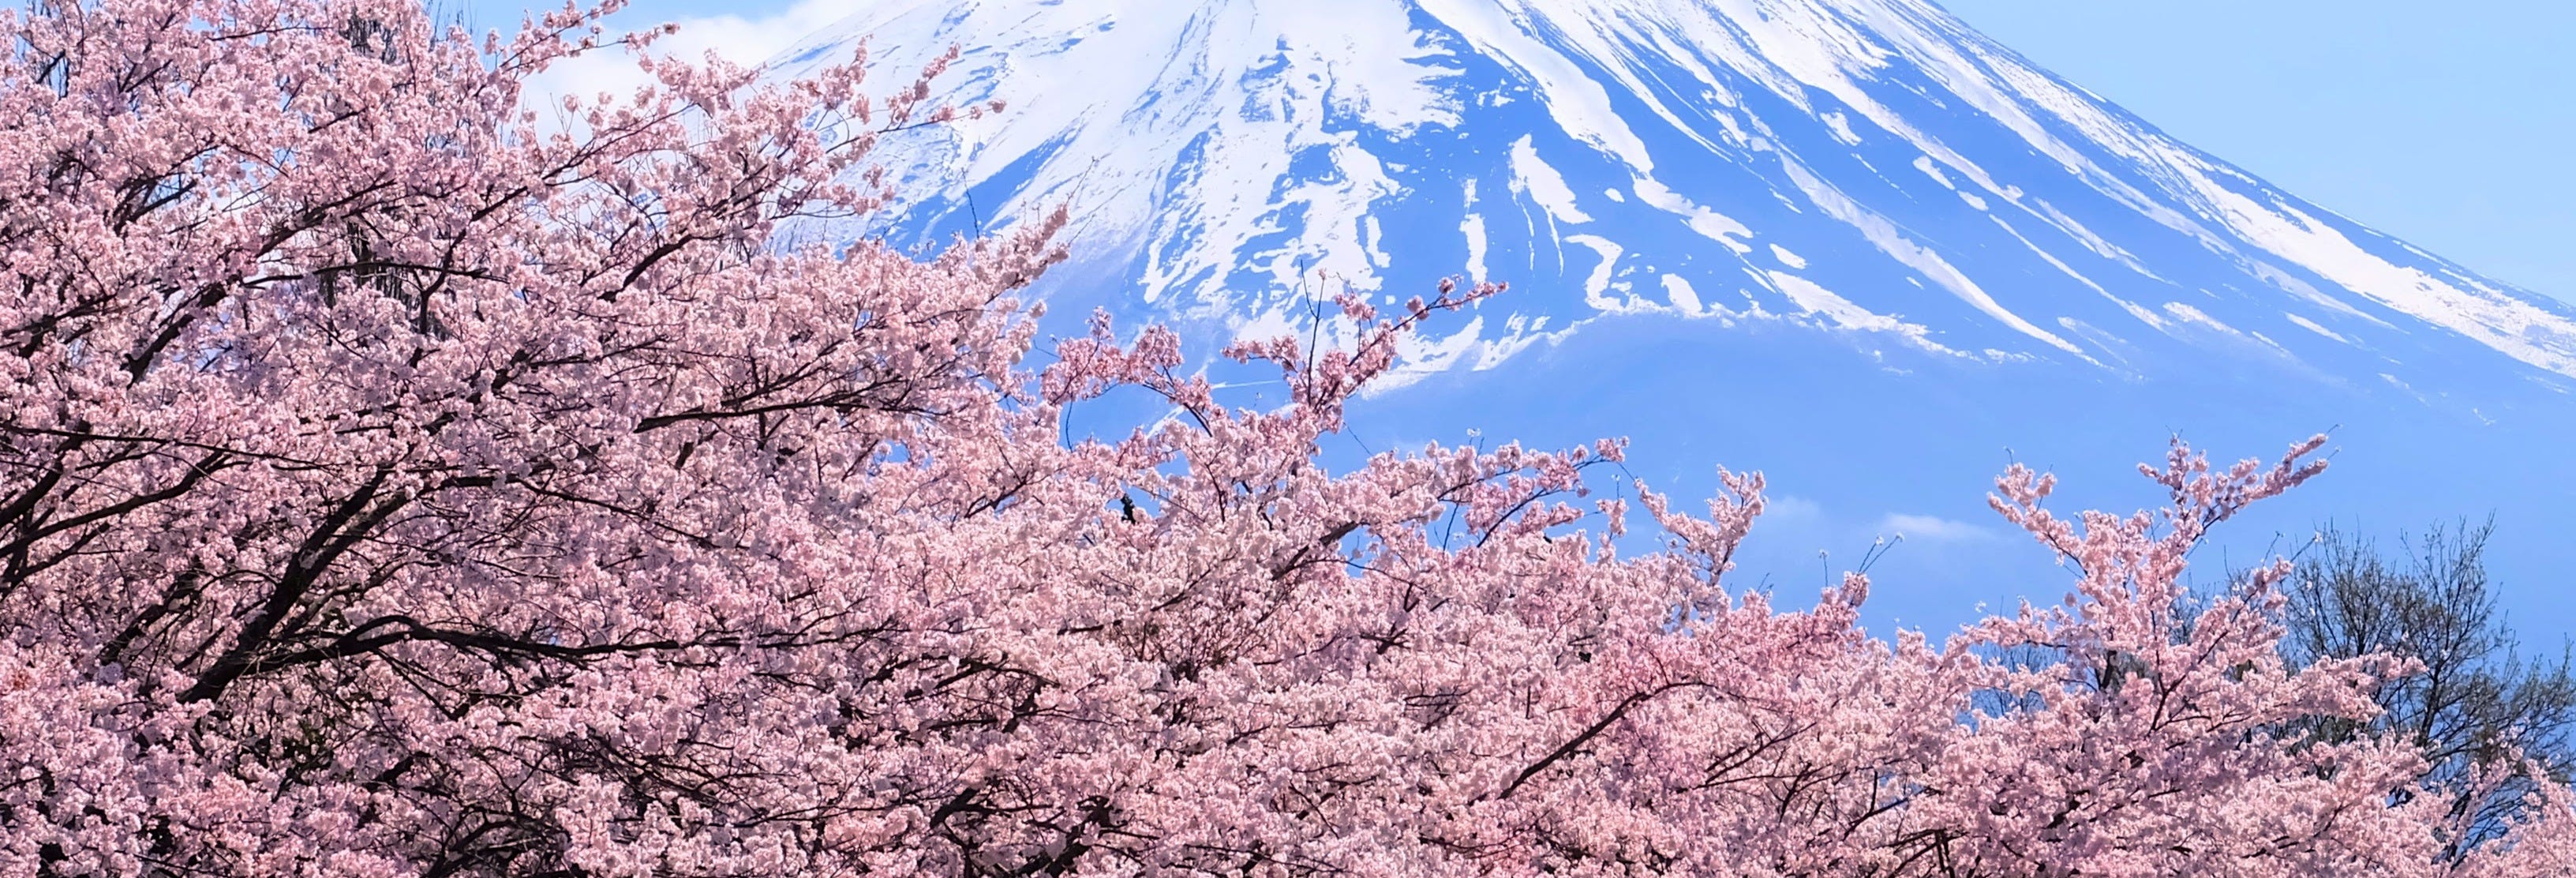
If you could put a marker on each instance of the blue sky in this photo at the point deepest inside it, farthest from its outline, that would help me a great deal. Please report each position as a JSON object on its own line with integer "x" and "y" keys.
{"x": 2447, "y": 125}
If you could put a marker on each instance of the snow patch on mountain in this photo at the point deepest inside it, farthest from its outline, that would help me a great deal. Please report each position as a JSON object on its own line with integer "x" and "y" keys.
{"x": 1233, "y": 161}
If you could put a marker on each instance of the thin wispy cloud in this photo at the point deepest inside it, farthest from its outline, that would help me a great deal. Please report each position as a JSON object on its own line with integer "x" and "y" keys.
{"x": 1933, "y": 528}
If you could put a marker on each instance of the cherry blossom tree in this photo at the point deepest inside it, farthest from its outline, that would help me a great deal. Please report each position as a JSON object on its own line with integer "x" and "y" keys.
{"x": 396, "y": 480}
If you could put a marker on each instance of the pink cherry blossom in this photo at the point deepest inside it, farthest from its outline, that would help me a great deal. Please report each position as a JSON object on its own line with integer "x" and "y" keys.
{"x": 396, "y": 480}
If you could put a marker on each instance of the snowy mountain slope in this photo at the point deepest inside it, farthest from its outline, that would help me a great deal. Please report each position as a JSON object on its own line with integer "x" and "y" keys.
{"x": 1848, "y": 242}
{"x": 1865, "y": 167}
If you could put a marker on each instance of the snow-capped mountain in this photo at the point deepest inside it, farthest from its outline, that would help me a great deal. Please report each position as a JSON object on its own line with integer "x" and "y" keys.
{"x": 1806, "y": 232}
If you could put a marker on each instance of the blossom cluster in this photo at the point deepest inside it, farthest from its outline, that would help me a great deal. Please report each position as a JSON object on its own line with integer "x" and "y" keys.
{"x": 399, "y": 480}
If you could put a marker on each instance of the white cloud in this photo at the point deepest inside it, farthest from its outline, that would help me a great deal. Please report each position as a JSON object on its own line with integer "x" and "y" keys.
{"x": 1933, "y": 528}
{"x": 1786, "y": 507}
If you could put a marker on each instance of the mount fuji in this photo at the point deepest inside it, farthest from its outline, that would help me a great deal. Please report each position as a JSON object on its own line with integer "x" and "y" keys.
{"x": 1852, "y": 243}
